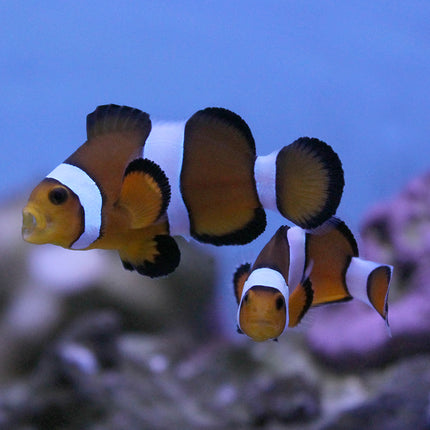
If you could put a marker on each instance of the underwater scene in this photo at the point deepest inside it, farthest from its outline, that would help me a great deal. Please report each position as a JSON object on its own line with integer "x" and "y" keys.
{"x": 215, "y": 216}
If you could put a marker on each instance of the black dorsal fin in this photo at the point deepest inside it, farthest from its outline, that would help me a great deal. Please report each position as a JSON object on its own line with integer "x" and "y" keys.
{"x": 219, "y": 144}
{"x": 347, "y": 233}
{"x": 213, "y": 114}
{"x": 114, "y": 118}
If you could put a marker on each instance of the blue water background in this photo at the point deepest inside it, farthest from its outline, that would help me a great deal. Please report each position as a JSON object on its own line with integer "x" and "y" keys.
{"x": 355, "y": 74}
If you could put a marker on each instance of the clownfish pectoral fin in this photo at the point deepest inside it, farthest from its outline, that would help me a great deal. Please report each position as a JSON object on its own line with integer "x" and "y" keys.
{"x": 309, "y": 182}
{"x": 145, "y": 192}
{"x": 299, "y": 302}
{"x": 370, "y": 282}
{"x": 217, "y": 179}
{"x": 157, "y": 257}
{"x": 239, "y": 279}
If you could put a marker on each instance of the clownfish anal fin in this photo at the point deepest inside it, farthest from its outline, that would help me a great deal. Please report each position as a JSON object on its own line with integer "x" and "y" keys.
{"x": 239, "y": 278}
{"x": 163, "y": 256}
{"x": 165, "y": 261}
{"x": 118, "y": 119}
{"x": 217, "y": 179}
{"x": 145, "y": 192}
{"x": 299, "y": 302}
{"x": 309, "y": 182}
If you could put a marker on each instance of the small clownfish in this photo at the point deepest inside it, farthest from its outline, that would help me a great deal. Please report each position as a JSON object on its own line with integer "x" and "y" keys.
{"x": 132, "y": 186}
{"x": 322, "y": 266}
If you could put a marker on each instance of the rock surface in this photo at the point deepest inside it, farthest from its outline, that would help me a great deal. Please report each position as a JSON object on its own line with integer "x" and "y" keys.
{"x": 87, "y": 345}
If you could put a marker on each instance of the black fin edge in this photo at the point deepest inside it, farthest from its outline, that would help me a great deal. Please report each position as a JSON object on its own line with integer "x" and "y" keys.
{"x": 347, "y": 233}
{"x": 243, "y": 268}
{"x": 228, "y": 117}
{"x": 345, "y": 299}
{"x": 127, "y": 265}
{"x": 132, "y": 119}
{"x": 307, "y": 286}
{"x": 154, "y": 170}
{"x": 239, "y": 237}
{"x": 166, "y": 261}
{"x": 333, "y": 166}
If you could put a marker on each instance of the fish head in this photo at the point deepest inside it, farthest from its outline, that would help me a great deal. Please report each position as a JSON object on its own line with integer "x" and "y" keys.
{"x": 53, "y": 214}
{"x": 262, "y": 313}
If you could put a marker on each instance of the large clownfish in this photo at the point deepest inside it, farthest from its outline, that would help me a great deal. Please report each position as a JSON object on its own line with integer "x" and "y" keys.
{"x": 132, "y": 186}
{"x": 319, "y": 267}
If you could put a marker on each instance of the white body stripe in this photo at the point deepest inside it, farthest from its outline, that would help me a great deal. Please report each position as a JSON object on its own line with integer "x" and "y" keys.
{"x": 296, "y": 237}
{"x": 89, "y": 196}
{"x": 165, "y": 146}
{"x": 267, "y": 278}
{"x": 265, "y": 178}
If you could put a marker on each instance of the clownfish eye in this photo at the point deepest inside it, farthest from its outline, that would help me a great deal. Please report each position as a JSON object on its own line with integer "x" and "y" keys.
{"x": 280, "y": 303}
{"x": 58, "y": 195}
{"x": 246, "y": 298}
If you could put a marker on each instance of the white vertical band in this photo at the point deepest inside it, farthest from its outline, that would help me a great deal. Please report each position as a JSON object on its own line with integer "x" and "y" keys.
{"x": 165, "y": 147}
{"x": 265, "y": 178}
{"x": 296, "y": 237}
{"x": 89, "y": 196}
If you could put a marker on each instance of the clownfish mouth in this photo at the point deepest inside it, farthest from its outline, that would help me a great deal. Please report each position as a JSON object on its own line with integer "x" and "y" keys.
{"x": 261, "y": 322}
{"x": 261, "y": 329}
{"x": 29, "y": 224}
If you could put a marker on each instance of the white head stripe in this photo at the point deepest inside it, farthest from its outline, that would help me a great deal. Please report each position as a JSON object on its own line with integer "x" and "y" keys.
{"x": 296, "y": 240}
{"x": 266, "y": 277}
{"x": 89, "y": 196}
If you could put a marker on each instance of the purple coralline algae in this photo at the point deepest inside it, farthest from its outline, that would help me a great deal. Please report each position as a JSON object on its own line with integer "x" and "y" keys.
{"x": 395, "y": 232}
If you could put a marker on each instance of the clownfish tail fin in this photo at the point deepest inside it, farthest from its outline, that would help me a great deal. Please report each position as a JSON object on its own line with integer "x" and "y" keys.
{"x": 378, "y": 285}
{"x": 370, "y": 282}
{"x": 145, "y": 192}
{"x": 114, "y": 118}
{"x": 299, "y": 302}
{"x": 239, "y": 278}
{"x": 309, "y": 182}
